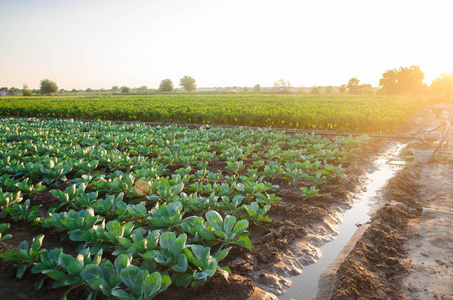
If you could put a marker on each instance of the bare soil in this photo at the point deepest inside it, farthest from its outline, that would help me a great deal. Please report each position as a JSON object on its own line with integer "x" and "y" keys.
{"x": 429, "y": 244}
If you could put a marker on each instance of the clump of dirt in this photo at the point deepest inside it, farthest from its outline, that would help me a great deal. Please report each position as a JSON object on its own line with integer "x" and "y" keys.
{"x": 45, "y": 199}
{"x": 399, "y": 190}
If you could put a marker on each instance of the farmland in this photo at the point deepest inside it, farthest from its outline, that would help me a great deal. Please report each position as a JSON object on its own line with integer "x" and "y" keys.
{"x": 133, "y": 210}
{"x": 345, "y": 114}
{"x": 140, "y": 208}
{"x": 222, "y": 150}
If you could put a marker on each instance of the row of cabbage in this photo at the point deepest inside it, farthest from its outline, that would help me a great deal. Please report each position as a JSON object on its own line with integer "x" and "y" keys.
{"x": 284, "y": 111}
{"x": 167, "y": 202}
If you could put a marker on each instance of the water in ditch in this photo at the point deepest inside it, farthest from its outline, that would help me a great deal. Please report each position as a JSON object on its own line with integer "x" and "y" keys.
{"x": 305, "y": 285}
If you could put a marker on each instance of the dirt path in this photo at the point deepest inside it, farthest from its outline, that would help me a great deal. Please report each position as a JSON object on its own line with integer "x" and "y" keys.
{"x": 430, "y": 237}
{"x": 429, "y": 245}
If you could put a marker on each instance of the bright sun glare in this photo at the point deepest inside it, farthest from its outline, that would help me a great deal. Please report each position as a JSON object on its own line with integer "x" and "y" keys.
{"x": 220, "y": 43}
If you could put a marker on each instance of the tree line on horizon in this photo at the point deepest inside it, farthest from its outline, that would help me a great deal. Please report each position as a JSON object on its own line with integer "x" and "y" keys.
{"x": 402, "y": 81}
{"x": 48, "y": 87}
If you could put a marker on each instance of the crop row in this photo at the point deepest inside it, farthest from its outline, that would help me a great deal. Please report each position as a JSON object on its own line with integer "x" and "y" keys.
{"x": 168, "y": 203}
{"x": 283, "y": 111}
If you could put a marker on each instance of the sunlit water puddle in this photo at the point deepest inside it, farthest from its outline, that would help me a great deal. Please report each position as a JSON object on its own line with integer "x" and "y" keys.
{"x": 305, "y": 285}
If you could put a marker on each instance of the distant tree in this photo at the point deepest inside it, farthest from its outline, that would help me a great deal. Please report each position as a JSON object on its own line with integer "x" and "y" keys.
{"x": 389, "y": 81}
{"x": 245, "y": 89}
{"x": 115, "y": 89}
{"x": 125, "y": 89}
{"x": 442, "y": 84}
{"x": 410, "y": 80}
{"x": 142, "y": 89}
{"x": 74, "y": 91}
{"x": 48, "y": 87}
{"x": 62, "y": 91}
{"x": 315, "y": 90}
{"x": 102, "y": 90}
{"x": 353, "y": 85}
{"x": 4, "y": 89}
{"x": 282, "y": 86}
{"x": 26, "y": 91}
{"x": 166, "y": 85}
{"x": 329, "y": 89}
{"x": 257, "y": 88}
{"x": 366, "y": 89}
{"x": 342, "y": 89}
{"x": 188, "y": 83}
{"x": 281, "y": 83}
{"x": 405, "y": 80}
{"x": 89, "y": 90}
{"x": 12, "y": 90}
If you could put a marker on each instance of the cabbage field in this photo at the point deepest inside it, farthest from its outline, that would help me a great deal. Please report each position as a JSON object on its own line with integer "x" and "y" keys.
{"x": 346, "y": 114}
{"x": 139, "y": 208}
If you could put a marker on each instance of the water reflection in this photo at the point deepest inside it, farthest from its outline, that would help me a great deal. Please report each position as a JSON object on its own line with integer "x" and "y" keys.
{"x": 305, "y": 285}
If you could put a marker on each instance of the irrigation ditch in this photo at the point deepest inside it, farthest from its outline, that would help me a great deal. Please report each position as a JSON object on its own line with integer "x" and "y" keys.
{"x": 351, "y": 223}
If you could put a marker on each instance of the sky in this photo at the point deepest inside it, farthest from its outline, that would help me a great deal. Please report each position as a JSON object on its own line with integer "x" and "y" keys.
{"x": 99, "y": 44}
